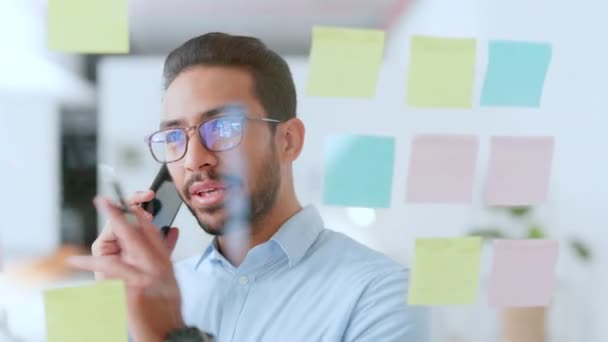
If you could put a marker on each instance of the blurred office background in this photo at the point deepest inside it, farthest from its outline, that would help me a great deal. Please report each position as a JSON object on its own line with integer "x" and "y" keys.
{"x": 61, "y": 115}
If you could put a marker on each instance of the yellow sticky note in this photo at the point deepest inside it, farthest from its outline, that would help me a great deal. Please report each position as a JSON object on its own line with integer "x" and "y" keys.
{"x": 92, "y": 313}
{"x": 345, "y": 62}
{"x": 88, "y": 26}
{"x": 445, "y": 271}
{"x": 441, "y": 72}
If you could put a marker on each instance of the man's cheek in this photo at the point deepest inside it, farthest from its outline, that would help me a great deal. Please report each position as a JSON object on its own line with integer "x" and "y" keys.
{"x": 176, "y": 172}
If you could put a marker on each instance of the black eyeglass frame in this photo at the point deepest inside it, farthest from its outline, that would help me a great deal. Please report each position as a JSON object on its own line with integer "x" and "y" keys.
{"x": 243, "y": 116}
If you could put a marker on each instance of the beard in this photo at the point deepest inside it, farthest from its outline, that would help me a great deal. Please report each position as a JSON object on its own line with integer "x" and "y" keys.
{"x": 240, "y": 211}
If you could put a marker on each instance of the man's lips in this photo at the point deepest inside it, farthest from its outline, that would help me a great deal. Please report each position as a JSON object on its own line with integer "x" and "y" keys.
{"x": 208, "y": 194}
{"x": 206, "y": 187}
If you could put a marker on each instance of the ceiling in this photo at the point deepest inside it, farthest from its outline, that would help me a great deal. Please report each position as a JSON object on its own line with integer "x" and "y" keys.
{"x": 158, "y": 26}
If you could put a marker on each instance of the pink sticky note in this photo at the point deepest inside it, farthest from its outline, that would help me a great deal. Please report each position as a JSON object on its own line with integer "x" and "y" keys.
{"x": 519, "y": 170}
{"x": 442, "y": 169}
{"x": 523, "y": 273}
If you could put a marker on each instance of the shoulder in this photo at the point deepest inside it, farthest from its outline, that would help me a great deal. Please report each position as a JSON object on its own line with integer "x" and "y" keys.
{"x": 355, "y": 261}
{"x": 378, "y": 287}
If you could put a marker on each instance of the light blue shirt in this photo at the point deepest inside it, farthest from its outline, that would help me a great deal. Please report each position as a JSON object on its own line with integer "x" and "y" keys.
{"x": 307, "y": 283}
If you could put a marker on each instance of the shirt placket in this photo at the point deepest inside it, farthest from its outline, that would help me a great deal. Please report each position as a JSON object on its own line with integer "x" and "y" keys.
{"x": 237, "y": 297}
{"x": 241, "y": 283}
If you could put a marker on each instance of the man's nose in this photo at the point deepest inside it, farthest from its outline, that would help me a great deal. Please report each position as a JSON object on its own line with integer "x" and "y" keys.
{"x": 197, "y": 156}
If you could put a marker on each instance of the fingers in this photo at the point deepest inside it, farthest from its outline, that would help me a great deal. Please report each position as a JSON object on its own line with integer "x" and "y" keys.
{"x": 105, "y": 248}
{"x": 106, "y": 233}
{"x": 142, "y": 215}
{"x": 110, "y": 267}
{"x": 140, "y": 197}
{"x": 132, "y": 238}
{"x": 171, "y": 239}
{"x": 134, "y": 201}
{"x": 155, "y": 238}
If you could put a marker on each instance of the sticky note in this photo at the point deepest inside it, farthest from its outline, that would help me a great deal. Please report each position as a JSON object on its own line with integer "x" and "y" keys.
{"x": 519, "y": 171}
{"x": 93, "y": 313}
{"x": 523, "y": 273}
{"x": 516, "y": 73}
{"x": 345, "y": 62}
{"x": 441, "y": 72}
{"x": 442, "y": 169}
{"x": 88, "y": 26}
{"x": 445, "y": 271}
{"x": 358, "y": 171}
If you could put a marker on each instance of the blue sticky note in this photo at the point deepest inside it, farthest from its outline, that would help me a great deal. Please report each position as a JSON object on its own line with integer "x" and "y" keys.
{"x": 359, "y": 171}
{"x": 516, "y": 73}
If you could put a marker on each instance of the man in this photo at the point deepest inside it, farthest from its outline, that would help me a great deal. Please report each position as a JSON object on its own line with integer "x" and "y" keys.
{"x": 229, "y": 135}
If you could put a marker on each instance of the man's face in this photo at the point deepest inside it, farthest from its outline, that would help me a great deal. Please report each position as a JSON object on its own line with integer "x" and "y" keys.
{"x": 211, "y": 183}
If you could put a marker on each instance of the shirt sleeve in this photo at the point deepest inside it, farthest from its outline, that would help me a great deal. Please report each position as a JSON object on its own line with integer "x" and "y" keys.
{"x": 382, "y": 314}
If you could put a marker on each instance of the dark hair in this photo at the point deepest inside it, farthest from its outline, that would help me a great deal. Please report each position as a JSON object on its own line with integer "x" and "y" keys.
{"x": 273, "y": 83}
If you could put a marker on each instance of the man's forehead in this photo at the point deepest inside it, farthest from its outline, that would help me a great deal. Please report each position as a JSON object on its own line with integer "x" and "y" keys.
{"x": 231, "y": 108}
{"x": 203, "y": 89}
{"x": 202, "y": 111}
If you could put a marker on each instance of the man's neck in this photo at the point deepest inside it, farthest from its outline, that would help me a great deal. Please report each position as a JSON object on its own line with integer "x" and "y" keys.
{"x": 235, "y": 247}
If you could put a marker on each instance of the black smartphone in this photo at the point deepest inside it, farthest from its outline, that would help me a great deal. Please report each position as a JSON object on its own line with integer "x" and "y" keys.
{"x": 166, "y": 202}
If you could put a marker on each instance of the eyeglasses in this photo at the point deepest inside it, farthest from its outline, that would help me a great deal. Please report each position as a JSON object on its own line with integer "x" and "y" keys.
{"x": 221, "y": 133}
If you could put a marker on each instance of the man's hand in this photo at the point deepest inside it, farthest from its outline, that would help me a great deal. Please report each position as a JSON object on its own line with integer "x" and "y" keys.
{"x": 134, "y": 251}
{"x": 107, "y": 244}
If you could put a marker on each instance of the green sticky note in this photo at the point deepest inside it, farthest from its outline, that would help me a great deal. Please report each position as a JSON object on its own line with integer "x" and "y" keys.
{"x": 441, "y": 72}
{"x": 516, "y": 74}
{"x": 445, "y": 271}
{"x": 359, "y": 171}
{"x": 92, "y": 313}
{"x": 88, "y": 26}
{"x": 345, "y": 62}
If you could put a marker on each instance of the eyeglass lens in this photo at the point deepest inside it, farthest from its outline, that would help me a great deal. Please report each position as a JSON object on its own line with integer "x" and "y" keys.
{"x": 218, "y": 134}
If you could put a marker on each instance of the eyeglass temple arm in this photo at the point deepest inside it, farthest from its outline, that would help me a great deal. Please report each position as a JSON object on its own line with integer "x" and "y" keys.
{"x": 267, "y": 120}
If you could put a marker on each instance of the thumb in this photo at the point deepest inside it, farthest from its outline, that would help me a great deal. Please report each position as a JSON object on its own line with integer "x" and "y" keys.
{"x": 171, "y": 238}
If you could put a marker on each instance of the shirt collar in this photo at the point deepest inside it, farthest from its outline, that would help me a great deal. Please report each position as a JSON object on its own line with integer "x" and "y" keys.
{"x": 294, "y": 237}
{"x": 298, "y": 234}
{"x": 210, "y": 252}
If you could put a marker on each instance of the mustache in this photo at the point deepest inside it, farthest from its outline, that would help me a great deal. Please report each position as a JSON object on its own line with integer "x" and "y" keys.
{"x": 230, "y": 180}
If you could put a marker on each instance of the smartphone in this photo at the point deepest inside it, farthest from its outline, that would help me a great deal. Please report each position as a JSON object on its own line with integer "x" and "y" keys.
{"x": 166, "y": 202}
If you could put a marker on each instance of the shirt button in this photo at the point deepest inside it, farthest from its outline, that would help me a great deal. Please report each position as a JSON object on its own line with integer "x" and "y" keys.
{"x": 244, "y": 280}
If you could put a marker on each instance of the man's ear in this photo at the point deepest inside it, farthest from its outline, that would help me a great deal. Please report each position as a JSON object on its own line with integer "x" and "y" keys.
{"x": 291, "y": 135}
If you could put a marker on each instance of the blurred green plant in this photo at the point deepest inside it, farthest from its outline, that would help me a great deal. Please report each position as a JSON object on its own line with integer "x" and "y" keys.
{"x": 522, "y": 216}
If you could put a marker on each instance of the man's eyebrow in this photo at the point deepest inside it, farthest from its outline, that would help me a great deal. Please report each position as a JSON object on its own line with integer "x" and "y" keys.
{"x": 199, "y": 116}
{"x": 171, "y": 123}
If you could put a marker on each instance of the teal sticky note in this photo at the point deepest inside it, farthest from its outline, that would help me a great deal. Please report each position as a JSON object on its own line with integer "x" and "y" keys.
{"x": 516, "y": 74}
{"x": 359, "y": 171}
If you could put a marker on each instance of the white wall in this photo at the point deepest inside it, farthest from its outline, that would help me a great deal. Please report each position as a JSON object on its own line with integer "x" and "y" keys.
{"x": 33, "y": 82}
{"x": 29, "y": 175}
